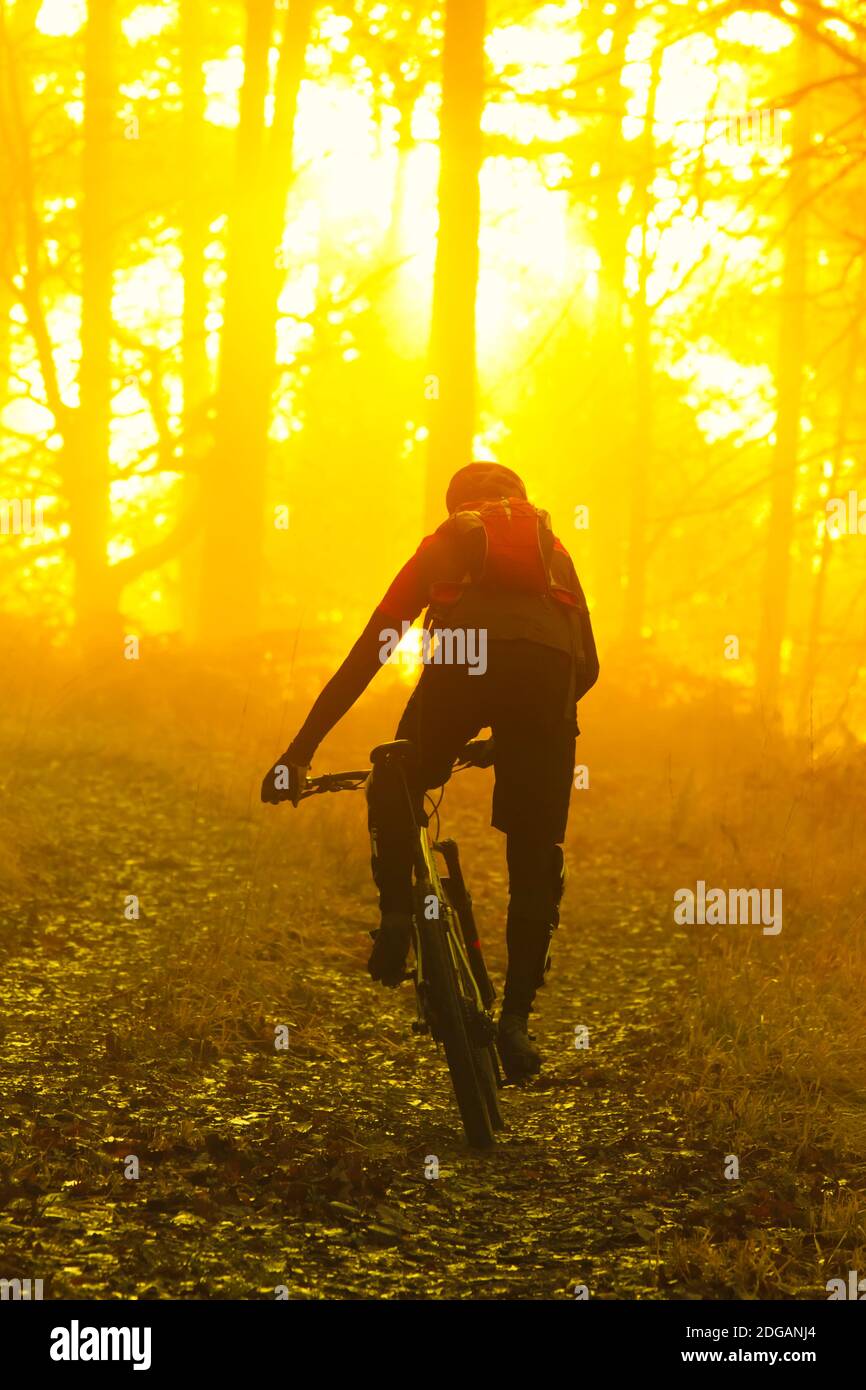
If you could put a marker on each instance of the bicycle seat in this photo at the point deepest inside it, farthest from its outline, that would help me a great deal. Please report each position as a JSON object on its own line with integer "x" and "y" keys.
{"x": 401, "y": 749}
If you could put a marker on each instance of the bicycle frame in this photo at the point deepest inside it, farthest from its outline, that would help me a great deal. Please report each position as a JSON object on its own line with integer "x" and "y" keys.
{"x": 453, "y": 992}
{"x": 426, "y": 873}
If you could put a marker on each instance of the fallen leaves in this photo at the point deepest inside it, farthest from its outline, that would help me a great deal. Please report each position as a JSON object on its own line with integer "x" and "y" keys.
{"x": 305, "y": 1168}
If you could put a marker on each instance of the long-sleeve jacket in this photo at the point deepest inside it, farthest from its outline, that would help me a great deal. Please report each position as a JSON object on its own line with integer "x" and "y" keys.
{"x": 505, "y": 614}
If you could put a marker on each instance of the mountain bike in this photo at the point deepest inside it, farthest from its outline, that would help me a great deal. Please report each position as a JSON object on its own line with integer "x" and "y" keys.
{"x": 453, "y": 990}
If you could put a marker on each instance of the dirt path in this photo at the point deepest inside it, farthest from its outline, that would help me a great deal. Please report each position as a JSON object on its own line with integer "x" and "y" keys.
{"x": 305, "y": 1168}
{"x": 558, "y": 1202}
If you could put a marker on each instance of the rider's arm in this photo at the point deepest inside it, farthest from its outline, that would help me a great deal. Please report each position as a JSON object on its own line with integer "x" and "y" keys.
{"x": 341, "y": 692}
{"x": 405, "y": 598}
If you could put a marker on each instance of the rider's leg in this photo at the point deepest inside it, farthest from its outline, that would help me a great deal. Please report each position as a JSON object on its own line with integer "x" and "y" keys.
{"x": 439, "y": 720}
{"x": 390, "y": 826}
{"x": 534, "y": 740}
{"x": 535, "y": 879}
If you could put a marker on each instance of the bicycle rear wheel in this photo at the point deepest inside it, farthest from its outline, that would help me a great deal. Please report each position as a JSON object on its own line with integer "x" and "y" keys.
{"x": 449, "y": 1023}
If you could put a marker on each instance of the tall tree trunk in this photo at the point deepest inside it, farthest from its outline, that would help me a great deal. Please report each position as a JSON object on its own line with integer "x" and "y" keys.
{"x": 194, "y": 234}
{"x": 87, "y": 456}
{"x": 789, "y": 393}
{"x": 7, "y": 300}
{"x": 11, "y": 191}
{"x": 234, "y": 482}
{"x": 811, "y": 659}
{"x": 640, "y": 463}
{"x": 452, "y": 332}
{"x": 608, "y": 443}
{"x": 392, "y": 246}
{"x": 392, "y": 243}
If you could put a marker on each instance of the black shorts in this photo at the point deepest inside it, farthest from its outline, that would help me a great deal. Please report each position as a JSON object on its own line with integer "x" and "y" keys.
{"x": 523, "y": 697}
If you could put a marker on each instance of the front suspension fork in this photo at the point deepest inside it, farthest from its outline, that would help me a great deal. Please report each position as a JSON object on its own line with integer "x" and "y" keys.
{"x": 462, "y": 902}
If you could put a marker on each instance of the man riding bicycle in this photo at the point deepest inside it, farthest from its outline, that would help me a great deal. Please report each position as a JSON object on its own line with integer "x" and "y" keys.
{"x": 495, "y": 576}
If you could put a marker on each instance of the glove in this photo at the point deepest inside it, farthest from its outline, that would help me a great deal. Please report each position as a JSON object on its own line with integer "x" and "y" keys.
{"x": 285, "y": 781}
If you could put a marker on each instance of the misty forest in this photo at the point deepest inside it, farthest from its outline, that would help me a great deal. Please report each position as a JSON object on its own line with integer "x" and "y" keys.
{"x": 271, "y": 271}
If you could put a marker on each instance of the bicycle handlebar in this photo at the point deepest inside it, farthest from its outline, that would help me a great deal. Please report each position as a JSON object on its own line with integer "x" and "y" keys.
{"x": 478, "y": 753}
{"x": 335, "y": 782}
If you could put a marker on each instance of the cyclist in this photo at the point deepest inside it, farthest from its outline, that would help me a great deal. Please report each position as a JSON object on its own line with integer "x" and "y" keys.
{"x": 494, "y": 576}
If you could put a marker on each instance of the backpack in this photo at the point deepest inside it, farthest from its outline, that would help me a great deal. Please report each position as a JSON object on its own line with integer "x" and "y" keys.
{"x": 507, "y": 544}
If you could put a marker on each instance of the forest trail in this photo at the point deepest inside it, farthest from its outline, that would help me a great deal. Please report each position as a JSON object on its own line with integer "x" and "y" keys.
{"x": 304, "y": 1169}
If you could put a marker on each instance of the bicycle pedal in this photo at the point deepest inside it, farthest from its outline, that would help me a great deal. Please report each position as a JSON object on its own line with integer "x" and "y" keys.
{"x": 482, "y": 1030}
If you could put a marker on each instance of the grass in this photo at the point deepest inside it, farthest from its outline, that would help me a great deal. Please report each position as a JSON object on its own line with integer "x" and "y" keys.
{"x": 145, "y": 781}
